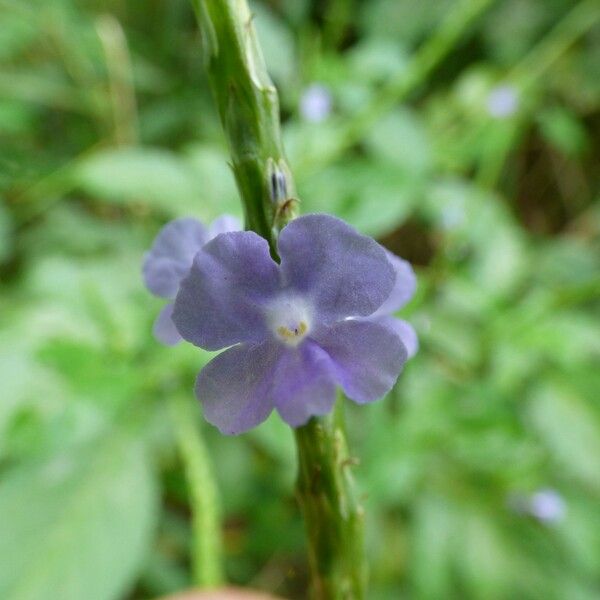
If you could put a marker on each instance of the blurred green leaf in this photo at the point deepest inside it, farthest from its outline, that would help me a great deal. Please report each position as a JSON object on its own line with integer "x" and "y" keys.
{"x": 376, "y": 59}
{"x": 156, "y": 177}
{"x": 512, "y": 27}
{"x": 78, "y": 525}
{"x": 277, "y": 44}
{"x": 18, "y": 32}
{"x": 197, "y": 183}
{"x": 401, "y": 139}
{"x": 6, "y": 234}
{"x": 87, "y": 370}
{"x": 564, "y": 131}
{"x": 435, "y": 528}
{"x": 570, "y": 431}
{"x": 484, "y": 556}
{"x": 372, "y": 196}
{"x": 402, "y": 19}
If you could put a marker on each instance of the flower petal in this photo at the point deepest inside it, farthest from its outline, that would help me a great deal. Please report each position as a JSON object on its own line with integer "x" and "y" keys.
{"x": 221, "y": 302}
{"x": 304, "y": 384}
{"x": 404, "y": 286}
{"x": 234, "y": 387}
{"x": 223, "y": 224}
{"x": 164, "y": 329}
{"x": 403, "y": 329}
{"x": 367, "y": 356}
{"x": 343, "y": 272}
{"x": 171, "y": 255}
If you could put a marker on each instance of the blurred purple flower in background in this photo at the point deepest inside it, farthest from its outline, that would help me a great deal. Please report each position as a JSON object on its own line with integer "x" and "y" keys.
{"x": 503, "y": 101}
{"x": 548, "y": 506}
{"x": 169, "y": 261}
{"x": 315, "y": 103}
{"x": 296, "y": 329}
{"x": 545, "y": 505}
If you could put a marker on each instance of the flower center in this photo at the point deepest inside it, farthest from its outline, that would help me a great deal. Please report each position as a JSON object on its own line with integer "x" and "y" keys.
{"x": 288, "y": 334}
{"x": 289, "y": 319}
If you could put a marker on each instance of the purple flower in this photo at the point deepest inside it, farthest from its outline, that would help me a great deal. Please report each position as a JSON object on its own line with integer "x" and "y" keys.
{"x": 296, "y": 329}
{"x": 404, "y": 288}
{"x": 170, "y": 259}
{"x": 503, "y": 101}
{"x": 315, "y": 103}
{"x": 548, "y": 506}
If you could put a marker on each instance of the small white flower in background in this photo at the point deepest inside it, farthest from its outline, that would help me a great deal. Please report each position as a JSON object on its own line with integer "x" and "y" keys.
{"x": 548, "y": 506}
{"x": 503, "y": 101}
{"x": 315, "y": 103}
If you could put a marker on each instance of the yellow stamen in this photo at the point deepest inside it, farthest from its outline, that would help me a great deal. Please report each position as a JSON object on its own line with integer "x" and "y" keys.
{"x": 290, "y": 334}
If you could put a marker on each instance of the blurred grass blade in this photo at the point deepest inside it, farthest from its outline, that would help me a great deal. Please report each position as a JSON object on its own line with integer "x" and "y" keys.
{"x": 207, "y": 557}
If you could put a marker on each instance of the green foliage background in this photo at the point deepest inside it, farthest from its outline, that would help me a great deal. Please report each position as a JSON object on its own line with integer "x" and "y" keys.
{"x": 107, "y": 131}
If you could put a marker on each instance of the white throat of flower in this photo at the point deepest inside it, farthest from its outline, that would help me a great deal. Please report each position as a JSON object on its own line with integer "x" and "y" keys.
{"x": 289, "y": 319}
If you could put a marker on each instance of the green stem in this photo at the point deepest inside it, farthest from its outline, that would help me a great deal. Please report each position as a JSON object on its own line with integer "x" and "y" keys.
{"x": 249, "y": 110}
{"x": 333, "y": 515}
{"x": 207, "y": 561}
{"x": 576, "y": 23}
{"x": 120, "y": 80}
{"x": 337, "y": 18}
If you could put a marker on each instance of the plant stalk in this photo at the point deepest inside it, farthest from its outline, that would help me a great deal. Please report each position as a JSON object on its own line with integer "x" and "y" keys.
{"x": 248, "y": 106}
{"x": 334, "y": 517}
{"x": 207, "y": 560}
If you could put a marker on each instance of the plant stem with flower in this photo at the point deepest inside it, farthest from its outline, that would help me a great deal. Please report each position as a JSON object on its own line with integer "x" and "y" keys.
{"x": 249, "y": 110}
